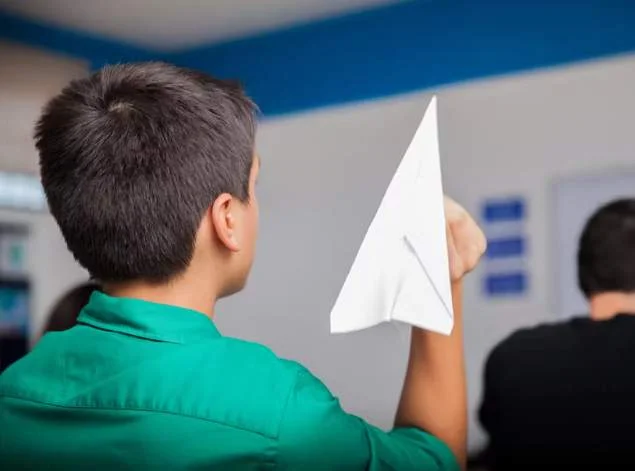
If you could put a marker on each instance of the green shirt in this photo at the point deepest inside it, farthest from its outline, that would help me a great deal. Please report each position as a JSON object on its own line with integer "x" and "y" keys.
{"x": 138, "y": 385}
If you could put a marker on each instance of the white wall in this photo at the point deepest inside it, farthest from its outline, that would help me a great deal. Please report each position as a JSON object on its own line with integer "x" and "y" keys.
{"x": 323, "y": 176}
{"x": 28, "y": 78}
{"x": 521, "y": 135}
{"x": 324, "y": 173}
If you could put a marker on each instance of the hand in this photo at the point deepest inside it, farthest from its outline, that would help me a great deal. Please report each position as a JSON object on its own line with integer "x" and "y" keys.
{"x": 466, "y": 241}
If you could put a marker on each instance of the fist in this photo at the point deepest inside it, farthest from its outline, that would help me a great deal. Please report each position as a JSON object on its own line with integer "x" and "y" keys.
{"x": 466, "y": 241}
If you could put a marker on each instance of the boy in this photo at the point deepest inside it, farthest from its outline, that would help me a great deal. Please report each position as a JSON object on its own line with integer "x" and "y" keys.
{"x": 149, "y": 170}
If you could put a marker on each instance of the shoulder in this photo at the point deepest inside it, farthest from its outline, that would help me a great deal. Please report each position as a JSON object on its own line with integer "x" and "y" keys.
{"x": 540, "y": 337}
{"x": 533, "y": 345}
{"x": 240, "y": 349}
{"x": 259, "y": 362}
{"x": 258, "y": 383}
{"x": 305, "y": 383}
{"x": 229, "y": 381}
{"x": 263, "y": 367}
{"x": 249, "y": 363}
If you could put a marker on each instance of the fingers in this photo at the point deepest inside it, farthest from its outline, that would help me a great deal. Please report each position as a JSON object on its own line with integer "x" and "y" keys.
{"x": 454, "y": 258}
{"x": 453, "y": 210}
{"x": 466, "y": 241}
{"x": 476, "y": 243}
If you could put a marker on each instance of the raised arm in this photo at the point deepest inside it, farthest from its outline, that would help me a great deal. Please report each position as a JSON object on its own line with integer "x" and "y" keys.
{"x": 434, "y": 392}
{"x": 315, "y": 433}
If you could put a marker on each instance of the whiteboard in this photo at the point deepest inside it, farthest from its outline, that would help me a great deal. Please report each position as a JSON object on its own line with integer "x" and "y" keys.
{"x": 575, "y": 200}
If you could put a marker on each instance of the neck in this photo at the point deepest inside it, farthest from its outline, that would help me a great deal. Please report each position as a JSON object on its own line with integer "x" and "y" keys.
{"x": 607, "y": 305}
{"x": 185, "y": 291}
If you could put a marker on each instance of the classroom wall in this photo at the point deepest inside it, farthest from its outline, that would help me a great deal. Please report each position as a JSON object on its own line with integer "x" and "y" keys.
{"x": 28, "y": 78}
{"x": 323, "y": 176}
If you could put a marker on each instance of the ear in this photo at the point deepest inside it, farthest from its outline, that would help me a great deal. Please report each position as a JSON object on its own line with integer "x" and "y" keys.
{"x": 224, "y": 221}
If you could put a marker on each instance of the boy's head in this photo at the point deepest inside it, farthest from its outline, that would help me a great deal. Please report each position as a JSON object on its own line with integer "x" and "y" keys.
{"x": 149, "y": 168}
{"x": 606, "y": 254}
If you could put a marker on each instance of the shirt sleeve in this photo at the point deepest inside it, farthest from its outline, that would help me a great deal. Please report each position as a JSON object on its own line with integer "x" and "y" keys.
{"x": 316, "y": 434}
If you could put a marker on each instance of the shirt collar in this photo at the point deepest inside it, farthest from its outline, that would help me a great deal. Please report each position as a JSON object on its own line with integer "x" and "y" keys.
{"x": 147, "y": 320}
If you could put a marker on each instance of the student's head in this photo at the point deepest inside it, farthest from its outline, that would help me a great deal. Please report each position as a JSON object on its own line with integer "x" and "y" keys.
{"x": 149, "y": 170}
{"x": 64, "y": 314}
{"x": 606, "y": 254}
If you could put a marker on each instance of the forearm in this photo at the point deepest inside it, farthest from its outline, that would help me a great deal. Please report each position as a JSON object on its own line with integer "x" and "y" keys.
{"x": 434, "y": 392}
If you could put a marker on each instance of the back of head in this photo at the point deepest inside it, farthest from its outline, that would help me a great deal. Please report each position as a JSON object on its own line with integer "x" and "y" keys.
{"x": 606, "y": 254}
{"x": 131, "y": 158}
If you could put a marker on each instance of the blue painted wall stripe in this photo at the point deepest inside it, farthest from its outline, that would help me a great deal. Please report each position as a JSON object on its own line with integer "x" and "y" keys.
{"x": 506, "y": 247}
{"x": 504, "y": 210}
{"x": 505, "y": 284}
{"x": 399, "y": 48}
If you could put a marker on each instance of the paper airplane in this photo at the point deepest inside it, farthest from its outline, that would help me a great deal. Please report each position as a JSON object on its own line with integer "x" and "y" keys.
{"x": 401, "y": 271}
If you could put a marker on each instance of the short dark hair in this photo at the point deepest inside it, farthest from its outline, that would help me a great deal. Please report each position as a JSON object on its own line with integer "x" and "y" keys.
{"x": 66, "y": 310}
{"x": 132, "y": 156}
{"x": 606, "y": 254}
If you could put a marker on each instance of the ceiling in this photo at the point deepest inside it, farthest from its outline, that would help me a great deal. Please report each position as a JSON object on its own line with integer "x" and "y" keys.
{"x": 175, "y": 24}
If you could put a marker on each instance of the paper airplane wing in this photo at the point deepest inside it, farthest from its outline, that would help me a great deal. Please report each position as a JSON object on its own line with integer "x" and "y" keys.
{"x": 401, "y": 271}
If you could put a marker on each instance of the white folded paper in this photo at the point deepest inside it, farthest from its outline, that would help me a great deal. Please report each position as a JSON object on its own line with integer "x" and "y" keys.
{"x": 401, "y": 271}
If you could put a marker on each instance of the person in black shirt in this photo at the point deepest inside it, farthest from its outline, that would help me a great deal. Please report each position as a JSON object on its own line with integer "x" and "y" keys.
{"x": 562, "y": 396}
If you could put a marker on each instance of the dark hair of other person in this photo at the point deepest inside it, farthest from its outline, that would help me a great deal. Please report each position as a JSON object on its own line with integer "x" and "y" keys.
{"x": 133, "y": 129}
{"x": 64, "y": 314}
{"x": 606, "y": 254}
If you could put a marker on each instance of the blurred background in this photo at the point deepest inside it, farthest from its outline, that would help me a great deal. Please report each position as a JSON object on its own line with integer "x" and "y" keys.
{"x": 536, "y": 105}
